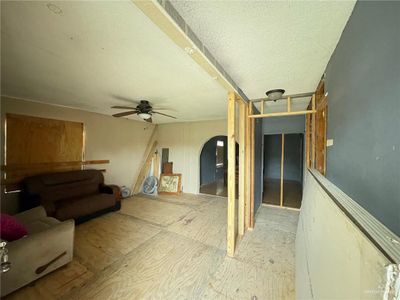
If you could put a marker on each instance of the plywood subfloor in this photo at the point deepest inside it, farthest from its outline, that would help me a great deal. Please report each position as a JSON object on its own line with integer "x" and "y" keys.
{"x": 170, "y": 248}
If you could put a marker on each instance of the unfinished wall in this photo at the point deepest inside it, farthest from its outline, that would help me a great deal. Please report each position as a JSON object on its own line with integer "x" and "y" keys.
{"x": 362, "y": 79}
{"x": 334, "y": 259}
{"x": 278, "y": 125}
{"x": 293, "y": 159}
{"x": 272, "y": 156}
{"x": 258, "y": 163}
{"x": 185, "y": 142}
{"x": 122, "y": 141}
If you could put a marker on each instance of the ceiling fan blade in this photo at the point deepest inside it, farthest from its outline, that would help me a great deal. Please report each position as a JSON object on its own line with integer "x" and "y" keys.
{"x": 149, "y": 120}
{"x": 123, "y": 107}
{"x": 156, "y": 112}
{"x": 126, "y": 113}
{"x": 125, "y": 99}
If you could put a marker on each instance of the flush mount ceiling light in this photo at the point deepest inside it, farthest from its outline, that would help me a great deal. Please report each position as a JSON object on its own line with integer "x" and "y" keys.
{"x": 275, "y": 94}
{"x": 144, "y": 116}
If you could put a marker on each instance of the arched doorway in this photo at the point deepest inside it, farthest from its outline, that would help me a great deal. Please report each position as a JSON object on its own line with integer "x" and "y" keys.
{"x": 213, "y": 166}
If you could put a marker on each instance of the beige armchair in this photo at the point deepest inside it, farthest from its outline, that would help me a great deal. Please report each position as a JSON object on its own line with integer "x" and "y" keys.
{"x": 48, "y": 246}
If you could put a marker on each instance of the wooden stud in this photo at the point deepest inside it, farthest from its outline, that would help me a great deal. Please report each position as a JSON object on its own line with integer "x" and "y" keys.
{"x": 15, "y": 167}
{"x": 231, "y": 219}
{"x": 282, "y": 162}
{"x": 242, "y": 166}
{"x": 156, "y": 165}
{"x": 251, "y": 210}
{"x": 289, "y": 104}
{"x": 145, "y": 169}
{"x": 262, "y": 107}
{"x": 248, "y": 169}
{"x": 313, "y": 129}
{"x": 313, "y": 102}
{"x": 282, "y": 114}
{"x": 308, "y": 140}
{"x": 146, "y": 154}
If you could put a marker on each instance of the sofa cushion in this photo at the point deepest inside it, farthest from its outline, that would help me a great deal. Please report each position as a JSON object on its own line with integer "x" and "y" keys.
{"x": 41, "y": 224}
{"x": 79, "y": 207}
{"x": 10, "y": 228}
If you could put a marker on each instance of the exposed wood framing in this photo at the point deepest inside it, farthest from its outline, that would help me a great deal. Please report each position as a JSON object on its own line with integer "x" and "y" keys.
{"x": 14, "y": 167}
{"x": 313, "y": 134}
{"x": 282, "y": 165}
{"x": 288, "y": 111}
{"x": 145, "y": 169}
{"x": 308, "y": 141}
{"x": 247, "y": 203}
{"x": 156, "y": 165}
{"x": 164, "y": 16}
{"x": 232, "y": 209}
{"x": 242, "y": 167}
{"x": 251, "y": 150}
{"x": 283, "y": 114}
{"x": 148, "y": 154}
{"x": 262, "y": 105}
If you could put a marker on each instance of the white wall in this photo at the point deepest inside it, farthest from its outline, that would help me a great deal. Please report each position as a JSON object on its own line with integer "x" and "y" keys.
{"x": 185, "y": 141}
{"x": 122, "y": 141}
{"x": 334, "y": 259}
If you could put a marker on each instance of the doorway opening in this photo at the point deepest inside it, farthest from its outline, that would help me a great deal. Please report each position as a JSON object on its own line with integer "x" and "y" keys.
{"x": 214, "y": 166}
{"x": 283, "y": 169}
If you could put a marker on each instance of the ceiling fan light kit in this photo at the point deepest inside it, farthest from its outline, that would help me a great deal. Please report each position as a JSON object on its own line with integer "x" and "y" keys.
{"x": 144, "y": 116}
{"x": 144, "y": 110}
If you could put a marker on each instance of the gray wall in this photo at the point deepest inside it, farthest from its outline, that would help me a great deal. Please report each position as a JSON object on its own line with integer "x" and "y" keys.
{"x": 258, "y": 163}
{"x": 208, "y": 170}
{"x": 363, "y": 81}
{"x": 272, "y": 156}
{"x": 293, "y": 159}
{"x": 278, "y": 125}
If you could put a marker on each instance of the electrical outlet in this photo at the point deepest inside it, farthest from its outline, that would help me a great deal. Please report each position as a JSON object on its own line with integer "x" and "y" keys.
{"x": 329, "y": 142}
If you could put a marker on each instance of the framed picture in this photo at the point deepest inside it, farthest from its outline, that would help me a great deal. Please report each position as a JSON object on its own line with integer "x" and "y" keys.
{"x": 170, "y": 184}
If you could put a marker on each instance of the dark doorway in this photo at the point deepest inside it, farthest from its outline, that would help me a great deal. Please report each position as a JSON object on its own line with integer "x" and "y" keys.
{"x": 291, "y": 183}
{"x": 213, "y": 166}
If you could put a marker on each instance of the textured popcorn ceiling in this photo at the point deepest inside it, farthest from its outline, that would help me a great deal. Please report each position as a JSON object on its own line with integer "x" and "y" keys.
{"x": 269, "y": 44}
{"x": 91, "y": 55}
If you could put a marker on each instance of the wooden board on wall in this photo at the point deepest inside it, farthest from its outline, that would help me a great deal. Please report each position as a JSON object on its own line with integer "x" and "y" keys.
{"x": 320, "y": 129}
{"x": 34, "y": 141}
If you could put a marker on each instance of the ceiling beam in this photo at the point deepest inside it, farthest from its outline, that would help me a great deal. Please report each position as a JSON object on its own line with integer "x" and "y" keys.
{"x": 167, "y": 18}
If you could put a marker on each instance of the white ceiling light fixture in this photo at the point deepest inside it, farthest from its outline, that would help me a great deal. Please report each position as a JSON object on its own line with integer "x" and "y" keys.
{"x": 275, "y": 94}
{"x": 144, "y": 116}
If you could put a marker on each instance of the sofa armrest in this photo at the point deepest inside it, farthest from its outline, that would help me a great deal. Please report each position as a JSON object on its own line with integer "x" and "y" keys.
{"x": 111, "y": 189}
{"x": 38, "y": 254}
{"x": 31, "y": 214}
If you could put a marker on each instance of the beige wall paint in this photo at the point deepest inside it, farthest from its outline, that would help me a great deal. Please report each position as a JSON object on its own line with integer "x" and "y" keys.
{"x": 122, "y": 141}
{"x": 334, "y": 259}
{"x": 185, "y": 142}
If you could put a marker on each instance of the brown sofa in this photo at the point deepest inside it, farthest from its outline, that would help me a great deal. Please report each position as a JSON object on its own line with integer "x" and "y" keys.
{"x": 79, "y": 195}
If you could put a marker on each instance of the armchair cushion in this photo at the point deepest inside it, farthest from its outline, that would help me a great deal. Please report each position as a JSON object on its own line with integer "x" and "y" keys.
{"x": 11, "y": 228}
{"x": 48, "y": 246}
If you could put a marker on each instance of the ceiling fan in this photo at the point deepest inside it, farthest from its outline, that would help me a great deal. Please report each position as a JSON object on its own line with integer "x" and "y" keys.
{"x": 144, "y": 110}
